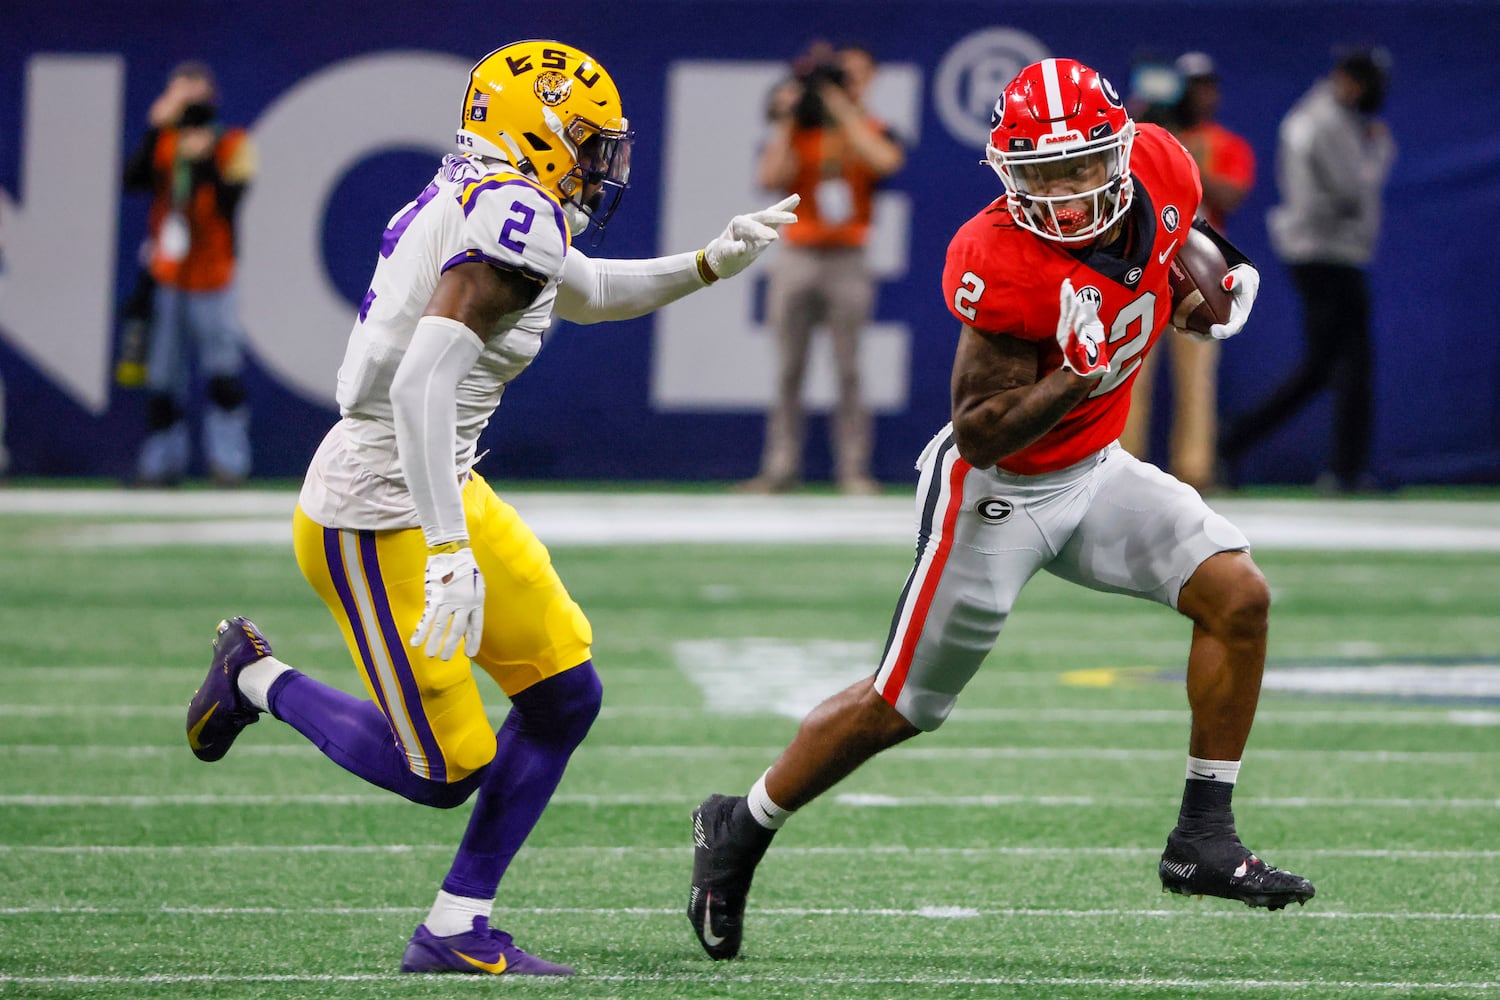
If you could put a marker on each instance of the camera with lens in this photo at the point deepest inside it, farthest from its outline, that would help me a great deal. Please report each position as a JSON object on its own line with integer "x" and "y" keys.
{"x": 198, "y": 114}
{"x": 810, "y": 111}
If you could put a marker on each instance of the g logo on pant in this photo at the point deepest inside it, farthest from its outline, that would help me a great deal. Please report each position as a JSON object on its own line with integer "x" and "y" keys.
{"x": 994, "y": 509}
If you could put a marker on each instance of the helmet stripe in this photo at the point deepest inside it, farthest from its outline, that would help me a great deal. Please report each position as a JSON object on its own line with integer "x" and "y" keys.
{"x": 1053, "y": 88}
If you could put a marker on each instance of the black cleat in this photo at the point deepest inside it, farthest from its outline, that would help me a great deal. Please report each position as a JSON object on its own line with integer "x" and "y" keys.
{"x": 218, "y": 711}
{"x": 1186, "y": 869}
{"x": 725, "y": 853}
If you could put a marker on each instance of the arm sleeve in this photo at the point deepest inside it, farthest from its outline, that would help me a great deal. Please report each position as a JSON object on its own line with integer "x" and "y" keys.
{"x": 1232, "y": 254}
{"x": 593, "y": 291}
{"x": 426, "y": 414}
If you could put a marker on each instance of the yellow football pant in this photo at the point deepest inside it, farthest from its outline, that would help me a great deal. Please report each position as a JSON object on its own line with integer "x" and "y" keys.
{"x": 374, "y": 583}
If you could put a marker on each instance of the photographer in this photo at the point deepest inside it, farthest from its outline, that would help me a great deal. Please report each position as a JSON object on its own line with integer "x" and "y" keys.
{"x": 825, "y": 146}
{"x": 196, "y": 171}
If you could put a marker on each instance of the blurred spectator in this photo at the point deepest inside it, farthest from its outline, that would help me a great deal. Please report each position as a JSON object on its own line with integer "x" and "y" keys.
{"x": 1226, "y": 167}
{"x": 825, "y": 146}
{"x": 1332, "y": 161}
{"x": 1155, "y": 90}
{"x": 196, "y": 171}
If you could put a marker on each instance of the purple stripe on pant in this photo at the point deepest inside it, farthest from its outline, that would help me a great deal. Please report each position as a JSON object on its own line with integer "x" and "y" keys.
{"x": 335, "y": 558}
{"x": 395, "y": 645}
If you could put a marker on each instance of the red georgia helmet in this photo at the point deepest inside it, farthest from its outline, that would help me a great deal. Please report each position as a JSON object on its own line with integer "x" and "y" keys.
{"x": 1053, "y": 129}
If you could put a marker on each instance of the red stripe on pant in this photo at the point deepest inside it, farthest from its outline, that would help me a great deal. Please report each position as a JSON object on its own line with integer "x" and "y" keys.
{"x": 913, "y": 632}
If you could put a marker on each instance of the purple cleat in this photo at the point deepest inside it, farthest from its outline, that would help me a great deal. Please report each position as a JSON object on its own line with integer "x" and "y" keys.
{"x": 480, "y": 951}
{"x": 218, "y": 711}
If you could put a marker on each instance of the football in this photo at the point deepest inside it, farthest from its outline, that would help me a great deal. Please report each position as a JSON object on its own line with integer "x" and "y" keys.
{"x": 1197, "y": 279}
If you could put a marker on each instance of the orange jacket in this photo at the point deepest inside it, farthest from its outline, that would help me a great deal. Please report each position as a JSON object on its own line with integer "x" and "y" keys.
{"x": 208, "y": 264}
{"x": 821, "y": 156}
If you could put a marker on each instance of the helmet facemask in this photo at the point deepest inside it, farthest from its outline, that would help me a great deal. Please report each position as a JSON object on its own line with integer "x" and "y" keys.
{"x": 592, "y": 189}
{"x": 1070, "y": 194}
{"x": 554, "y": 114}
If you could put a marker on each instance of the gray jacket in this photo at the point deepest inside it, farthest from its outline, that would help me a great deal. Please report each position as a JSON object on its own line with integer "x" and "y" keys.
{"x": 1330, "y": 168}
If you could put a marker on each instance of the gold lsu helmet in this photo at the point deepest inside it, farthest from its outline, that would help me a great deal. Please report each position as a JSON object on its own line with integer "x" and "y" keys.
{"x": 552, "y": 112}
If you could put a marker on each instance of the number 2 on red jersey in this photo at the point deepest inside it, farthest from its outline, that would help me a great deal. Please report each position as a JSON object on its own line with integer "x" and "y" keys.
{"x": 1128, "y": 334}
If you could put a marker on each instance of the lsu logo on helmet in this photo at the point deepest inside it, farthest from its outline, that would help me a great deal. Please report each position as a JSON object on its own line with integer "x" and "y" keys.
{"x": 552, "y": 112}
{"x": 552, "y": 88}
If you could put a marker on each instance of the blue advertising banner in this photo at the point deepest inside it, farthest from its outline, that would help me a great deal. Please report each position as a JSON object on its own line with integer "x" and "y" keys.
{"x": 349, "y": 108}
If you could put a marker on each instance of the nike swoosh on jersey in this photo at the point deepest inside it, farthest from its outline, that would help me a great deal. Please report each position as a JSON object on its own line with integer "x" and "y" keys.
{"x": 198, "y": 727}
{"x": 710, "y": 938}
{"x": 1161, "y": 258}
{"x": 494, "y": 968}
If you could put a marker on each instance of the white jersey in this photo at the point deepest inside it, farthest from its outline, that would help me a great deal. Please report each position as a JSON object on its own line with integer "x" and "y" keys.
{"x": 472, "y": 211}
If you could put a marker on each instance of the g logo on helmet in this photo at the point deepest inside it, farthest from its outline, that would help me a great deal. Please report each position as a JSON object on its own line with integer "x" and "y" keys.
{"x": 552, "y": 88}
{"x": 994, "y": 509}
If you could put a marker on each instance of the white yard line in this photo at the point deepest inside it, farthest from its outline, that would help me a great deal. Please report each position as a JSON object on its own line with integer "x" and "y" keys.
{"x": 568, "y": 518}
{"x": 690, "y": 752}
{"x": 849, "y": 799}
{"x": 719, "y": 980}
{"x": 1093, "y": 717}
{"x": 196, "y": 850}
{"x": 920, "y": 913}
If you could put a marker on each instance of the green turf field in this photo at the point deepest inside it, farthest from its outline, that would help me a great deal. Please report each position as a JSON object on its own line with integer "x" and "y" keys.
{"x": 1012, "y": 853}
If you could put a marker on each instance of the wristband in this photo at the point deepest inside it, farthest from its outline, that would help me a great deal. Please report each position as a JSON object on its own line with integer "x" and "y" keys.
{"x": 704, "y": 271}
{"x": 448, "y": 547}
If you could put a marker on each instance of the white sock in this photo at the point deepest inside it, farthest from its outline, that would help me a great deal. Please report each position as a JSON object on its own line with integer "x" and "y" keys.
{"x": 452, "y": 914}
{"x": 256, "y": 679}
{"x": 1227, "y": 771}
{"x": 767, "y": 813}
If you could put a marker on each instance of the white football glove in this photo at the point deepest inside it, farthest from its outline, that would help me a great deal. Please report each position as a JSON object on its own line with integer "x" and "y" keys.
{"x": 1242, "y": 282}
{"x": 455, "y": 605}
{"x": 1080, "y": 334}
{"x": 747, "y": 236}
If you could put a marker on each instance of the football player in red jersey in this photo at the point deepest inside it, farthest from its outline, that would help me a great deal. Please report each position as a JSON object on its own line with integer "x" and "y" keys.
{"x": 1061, "y": 287}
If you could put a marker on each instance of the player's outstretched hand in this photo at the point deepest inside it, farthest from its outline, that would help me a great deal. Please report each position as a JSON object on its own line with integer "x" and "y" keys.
{"x": 1242, "y": 282}
{"x": 455, "y": 605}
{"x": 1080, "y": 334}
{"x": 747, "y": 236}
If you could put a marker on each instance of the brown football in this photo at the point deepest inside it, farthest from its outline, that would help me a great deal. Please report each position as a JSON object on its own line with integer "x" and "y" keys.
{"x": 1197, "y": 279}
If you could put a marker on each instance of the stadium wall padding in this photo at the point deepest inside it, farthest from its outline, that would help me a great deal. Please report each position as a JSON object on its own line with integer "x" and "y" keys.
{"x": 351, "y": 106}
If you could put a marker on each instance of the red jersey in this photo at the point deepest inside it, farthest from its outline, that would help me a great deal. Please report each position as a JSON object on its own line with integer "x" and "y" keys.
{"x": 1001, "y": 279}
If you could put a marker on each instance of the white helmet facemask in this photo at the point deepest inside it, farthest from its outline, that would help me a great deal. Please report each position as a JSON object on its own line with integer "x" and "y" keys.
{"x": 1072, "y": 194}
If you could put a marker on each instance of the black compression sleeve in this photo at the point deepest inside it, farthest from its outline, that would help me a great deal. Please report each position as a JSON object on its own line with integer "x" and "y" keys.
{"x": 1232, "y": 254}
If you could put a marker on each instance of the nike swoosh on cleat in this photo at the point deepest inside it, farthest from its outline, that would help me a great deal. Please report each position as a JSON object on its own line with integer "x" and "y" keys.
{"x": 709, "y": 937}
{"x": 494, "y": 968}
{"x": 198, "y": 727}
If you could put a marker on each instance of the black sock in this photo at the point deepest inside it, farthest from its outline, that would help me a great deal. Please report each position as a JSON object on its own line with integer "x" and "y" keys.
{"x": 747, "y": 831}
{"x": 1205, "y": 812}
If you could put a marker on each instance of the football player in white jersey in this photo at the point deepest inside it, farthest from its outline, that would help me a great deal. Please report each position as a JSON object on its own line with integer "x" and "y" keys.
{"x": 427, "y": 572}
